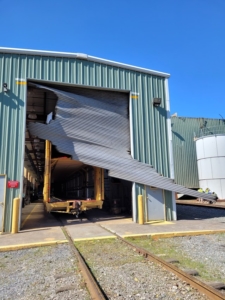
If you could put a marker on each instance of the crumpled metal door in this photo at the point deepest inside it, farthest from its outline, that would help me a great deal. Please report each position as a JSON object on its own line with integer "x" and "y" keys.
{"x": 93, "y": 127}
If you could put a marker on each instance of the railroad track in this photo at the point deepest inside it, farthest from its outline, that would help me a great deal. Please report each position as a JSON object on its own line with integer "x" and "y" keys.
{"x": 203, "y": 288}
{"x": 91, "y": 283}
{"x": 96, "y": 292}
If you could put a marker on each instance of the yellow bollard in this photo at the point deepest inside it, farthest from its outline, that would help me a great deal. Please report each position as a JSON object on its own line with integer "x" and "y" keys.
{"x": 140, "y": 210}
{"x": 15, "y": 216}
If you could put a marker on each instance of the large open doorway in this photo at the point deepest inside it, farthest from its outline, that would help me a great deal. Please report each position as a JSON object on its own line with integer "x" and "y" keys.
{"x": 70, "y": 178}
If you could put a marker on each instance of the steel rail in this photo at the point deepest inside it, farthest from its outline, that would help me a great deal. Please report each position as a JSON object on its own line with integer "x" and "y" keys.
{"x": 203, "y": 288}
{"x": 96, "y": 292}
{"x": 94, "y": 289}
{"x": 210, "y": 292}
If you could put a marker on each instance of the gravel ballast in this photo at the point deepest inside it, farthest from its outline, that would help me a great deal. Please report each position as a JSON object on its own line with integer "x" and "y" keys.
{"x": 41, "y": 273}
{"x": 206, "y": 249}
{"x": 203, "y": 253}
{"x": 124, "y": 274}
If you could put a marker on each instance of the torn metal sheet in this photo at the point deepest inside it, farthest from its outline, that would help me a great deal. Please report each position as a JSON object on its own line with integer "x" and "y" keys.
{"x": 94, "y": 129}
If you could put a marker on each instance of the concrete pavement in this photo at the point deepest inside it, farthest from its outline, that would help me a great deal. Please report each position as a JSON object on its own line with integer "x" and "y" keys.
{"x": 40, "y": 228}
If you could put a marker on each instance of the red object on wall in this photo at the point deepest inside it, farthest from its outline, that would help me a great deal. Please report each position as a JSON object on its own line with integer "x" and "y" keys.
{"x": 13, "y": 184}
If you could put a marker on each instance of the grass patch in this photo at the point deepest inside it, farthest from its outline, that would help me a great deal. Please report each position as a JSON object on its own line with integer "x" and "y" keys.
{"x": 115, "y": 253}
{"x": 220, "y": 236}
{"x": 89, "y": 243}
{"x": 165, "y": 249}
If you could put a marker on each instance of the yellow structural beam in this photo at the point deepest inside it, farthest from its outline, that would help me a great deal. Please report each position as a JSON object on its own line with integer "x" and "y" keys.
{"x": 99, "y": 183}
{"x": 140, "y": 210}
{"x": 102, "y": 187}
{"x": 47, "y": 175}
{"x": 15, "y": 215}
{"x": 49, "y": 169}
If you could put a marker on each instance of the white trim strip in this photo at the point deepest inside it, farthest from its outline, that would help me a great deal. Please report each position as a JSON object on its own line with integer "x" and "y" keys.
{"x": 134, "y": 202}
{"x": 81, "y": 56}
{"x": 174, "y": 212}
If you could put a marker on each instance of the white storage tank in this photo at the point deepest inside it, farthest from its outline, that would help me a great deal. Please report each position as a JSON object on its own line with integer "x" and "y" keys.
{"x": 211, "y": 163}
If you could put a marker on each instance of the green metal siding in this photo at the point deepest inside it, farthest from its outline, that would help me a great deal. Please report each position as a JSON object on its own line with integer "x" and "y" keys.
{"x": 184, "y": 150}
{"x": 149, "y": 123}
{"x": 12, "y": 112}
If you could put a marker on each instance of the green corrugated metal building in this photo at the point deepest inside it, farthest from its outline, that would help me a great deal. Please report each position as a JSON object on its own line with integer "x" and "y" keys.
{"x": 150, "y": 125}
{"x": 184, "y": 132}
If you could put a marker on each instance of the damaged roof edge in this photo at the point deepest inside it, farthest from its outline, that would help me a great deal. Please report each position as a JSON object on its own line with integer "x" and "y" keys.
{"x": 81, "y": 56}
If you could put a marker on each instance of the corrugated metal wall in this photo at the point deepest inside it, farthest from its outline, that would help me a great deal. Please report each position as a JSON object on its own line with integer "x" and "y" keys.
{"x": 184, "y": 150}
{"x": 149, "y": 122}
{"x": 12, "y": 113}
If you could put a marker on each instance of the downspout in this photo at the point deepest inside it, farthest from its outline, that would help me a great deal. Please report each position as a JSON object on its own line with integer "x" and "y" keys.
{"x": 134, "y": 201}
{"x": 170, "y": 146}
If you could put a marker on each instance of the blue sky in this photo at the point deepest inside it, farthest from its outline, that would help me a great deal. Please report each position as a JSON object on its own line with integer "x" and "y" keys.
{"x": 185, "y": 38}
